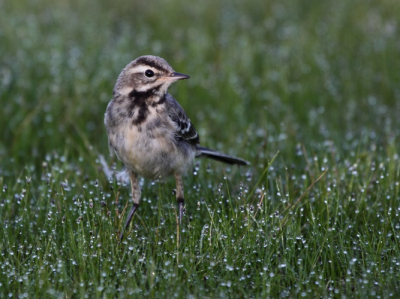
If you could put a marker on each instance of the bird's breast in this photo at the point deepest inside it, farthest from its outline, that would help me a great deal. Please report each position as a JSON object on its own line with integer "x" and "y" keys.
{"x": 149, "y": 148}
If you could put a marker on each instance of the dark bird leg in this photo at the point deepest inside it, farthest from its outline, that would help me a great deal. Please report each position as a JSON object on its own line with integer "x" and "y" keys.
{"x": 180, "y": 196}
{"x": 135, "y": 198}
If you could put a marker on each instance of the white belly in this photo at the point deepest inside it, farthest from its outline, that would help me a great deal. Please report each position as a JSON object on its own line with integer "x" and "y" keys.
{"x": 152, "y": 154}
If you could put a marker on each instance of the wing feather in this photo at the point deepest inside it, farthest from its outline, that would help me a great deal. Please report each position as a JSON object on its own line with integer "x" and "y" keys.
{"x": 184, "y": 128}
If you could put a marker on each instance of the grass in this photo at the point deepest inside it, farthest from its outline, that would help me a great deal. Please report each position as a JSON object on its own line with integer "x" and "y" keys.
{"x": 308, "y": 92}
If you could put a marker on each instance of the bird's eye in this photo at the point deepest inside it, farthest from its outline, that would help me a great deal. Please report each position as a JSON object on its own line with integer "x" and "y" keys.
{"x": 149, "y": 73}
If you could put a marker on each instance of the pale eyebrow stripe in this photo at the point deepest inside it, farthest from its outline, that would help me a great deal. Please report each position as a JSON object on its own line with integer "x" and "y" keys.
{"x": 142, "y": 69}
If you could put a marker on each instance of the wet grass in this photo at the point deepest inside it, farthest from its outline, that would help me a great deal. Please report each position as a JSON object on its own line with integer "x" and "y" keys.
{"x": 316, "y": 84}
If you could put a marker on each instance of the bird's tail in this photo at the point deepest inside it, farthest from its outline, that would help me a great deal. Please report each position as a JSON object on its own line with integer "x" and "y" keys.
{"x": 209, "y": 153}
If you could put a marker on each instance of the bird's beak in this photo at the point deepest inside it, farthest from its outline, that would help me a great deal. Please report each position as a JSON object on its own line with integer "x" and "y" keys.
{"x": 178, "y": 76}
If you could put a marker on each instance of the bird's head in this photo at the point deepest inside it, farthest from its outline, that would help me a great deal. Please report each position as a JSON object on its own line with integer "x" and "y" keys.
{"x": 147, "y": 74}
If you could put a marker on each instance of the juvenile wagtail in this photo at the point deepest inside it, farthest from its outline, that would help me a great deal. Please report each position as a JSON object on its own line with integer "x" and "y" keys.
{"x": 149, "y": 131}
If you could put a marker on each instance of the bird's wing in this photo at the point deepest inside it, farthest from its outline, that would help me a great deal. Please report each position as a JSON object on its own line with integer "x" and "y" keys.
{"x": 184, "y": 128}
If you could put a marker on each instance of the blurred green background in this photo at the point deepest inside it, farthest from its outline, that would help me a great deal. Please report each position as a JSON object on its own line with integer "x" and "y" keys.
{"x": 318, "y": 81}
{"x": 282, "y": 72}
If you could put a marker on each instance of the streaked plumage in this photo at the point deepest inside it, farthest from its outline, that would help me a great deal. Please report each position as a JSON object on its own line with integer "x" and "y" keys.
{"x": 149, "y": 131}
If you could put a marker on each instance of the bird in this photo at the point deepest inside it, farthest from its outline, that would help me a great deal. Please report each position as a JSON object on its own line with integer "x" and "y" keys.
{"x": 149, "y": 131}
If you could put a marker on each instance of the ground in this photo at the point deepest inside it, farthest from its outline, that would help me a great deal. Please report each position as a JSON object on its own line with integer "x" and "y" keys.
{"x": 308, "y": 92}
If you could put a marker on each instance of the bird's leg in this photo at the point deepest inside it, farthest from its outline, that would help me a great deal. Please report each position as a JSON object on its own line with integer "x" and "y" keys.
{"x": 179, "y": 195}
{"x": 135, "y": 198}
